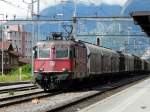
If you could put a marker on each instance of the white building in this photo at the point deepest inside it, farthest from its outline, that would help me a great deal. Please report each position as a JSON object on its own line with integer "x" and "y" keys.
{"x": 20, "y": 39}
{"x": 146, "y": 54}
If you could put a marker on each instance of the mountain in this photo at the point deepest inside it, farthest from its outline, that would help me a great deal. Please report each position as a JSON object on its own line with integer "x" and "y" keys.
{"x": 99, "y": 10}
{"x": 137, "y": 5}
{"x": 65, "y": 11}
{"x": 82, "y": 10}
{"x": 55, "y": 12}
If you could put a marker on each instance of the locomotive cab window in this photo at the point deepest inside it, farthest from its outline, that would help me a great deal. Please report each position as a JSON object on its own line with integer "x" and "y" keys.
{"x": 44, "y": 53}
{"x": 62, "y": 52}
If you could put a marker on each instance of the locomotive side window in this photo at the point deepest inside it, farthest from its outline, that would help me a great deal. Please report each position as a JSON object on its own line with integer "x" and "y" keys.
{"x": 62, "y": 52}
{"x": 35, "y": 51}
{"x": 44, "y": 52}
{"x": 72, "y": 52}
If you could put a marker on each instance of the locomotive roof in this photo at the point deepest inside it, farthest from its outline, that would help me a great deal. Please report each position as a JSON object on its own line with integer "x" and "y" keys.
{"x": 56, "y": 42}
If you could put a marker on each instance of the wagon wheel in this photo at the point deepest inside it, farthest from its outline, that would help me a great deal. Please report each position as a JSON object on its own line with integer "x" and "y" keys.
{"x": 48, "y": 86}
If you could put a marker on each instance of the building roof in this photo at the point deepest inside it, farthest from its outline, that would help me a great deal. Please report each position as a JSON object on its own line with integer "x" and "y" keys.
{"x": 142, "y": 18}
{"x": 24, "y": 60}
{"x": 6, "y": 45}
{"x": 17, "y": 28}
{"x": 15, "y": 53}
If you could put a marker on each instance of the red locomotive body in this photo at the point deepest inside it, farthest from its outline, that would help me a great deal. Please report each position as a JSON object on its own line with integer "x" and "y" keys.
{"x": 53, "y": 65}
{"x": 56, "y": 62}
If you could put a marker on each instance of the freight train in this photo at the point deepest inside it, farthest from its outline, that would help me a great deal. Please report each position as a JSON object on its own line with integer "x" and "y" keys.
{"x": 59, "y": 62}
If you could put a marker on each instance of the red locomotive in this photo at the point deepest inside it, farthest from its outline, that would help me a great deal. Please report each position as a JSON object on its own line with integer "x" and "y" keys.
{"x": 59, "y": 62}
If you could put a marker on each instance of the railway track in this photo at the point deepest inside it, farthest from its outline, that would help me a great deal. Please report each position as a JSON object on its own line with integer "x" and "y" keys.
{"x": 15, "y": 88}
{"x": 64, "y": 100}
{"x": 14, "y": 83}
{"x": 15, "y": 99}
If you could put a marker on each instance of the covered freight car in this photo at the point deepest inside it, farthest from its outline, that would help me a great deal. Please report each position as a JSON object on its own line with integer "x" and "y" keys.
{"x": 101, "y": 60}
{"x": 126, "y": 62}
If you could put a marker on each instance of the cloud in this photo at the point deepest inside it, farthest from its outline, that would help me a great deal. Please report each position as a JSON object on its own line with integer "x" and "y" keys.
{"x": 12, "y": 9}
{"x": 21, "y": 9}
{"x": 115, "y": 2}
{"x": 47, "y": 3}
{"x": 89, "y": 2}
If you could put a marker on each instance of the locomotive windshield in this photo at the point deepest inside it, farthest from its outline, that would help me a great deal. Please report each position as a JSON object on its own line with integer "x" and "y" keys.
{"x": 52, "y": 52}
{"x": 62, "y": 52}
{"x": 44, "y": 52}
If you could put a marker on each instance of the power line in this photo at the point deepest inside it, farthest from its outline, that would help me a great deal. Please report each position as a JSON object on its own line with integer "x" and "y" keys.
{"x": 107, "y": 35}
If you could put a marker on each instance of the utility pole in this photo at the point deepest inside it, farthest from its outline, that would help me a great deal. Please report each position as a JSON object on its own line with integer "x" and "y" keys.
{"x": 38, "y": 17}
{"x": 74, "y": 19}
{"x": 32, "y": 36}
{"x": 38, "y": 8}
{"x": 32, "y": 57}
{"x": 60, "y": 15}
{"x": 129, "y": 29}
{"x": 33, "y": 39}
{"x": 125, "y": 46}
{"x": 2, "y": 50}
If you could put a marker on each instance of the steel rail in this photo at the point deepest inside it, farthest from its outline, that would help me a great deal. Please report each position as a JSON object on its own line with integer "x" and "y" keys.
{"x": 7, "y": 101}
{"x": 14, "y": 83}
{"x": 16, "y": 89}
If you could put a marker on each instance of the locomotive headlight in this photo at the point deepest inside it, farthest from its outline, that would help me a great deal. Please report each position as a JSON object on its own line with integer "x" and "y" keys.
{"x": 64, "y": 70}
{"x": 41, "y": 69}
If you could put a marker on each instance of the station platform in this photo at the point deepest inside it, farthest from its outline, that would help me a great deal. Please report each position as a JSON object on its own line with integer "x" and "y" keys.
{"x": 133, "y": 99}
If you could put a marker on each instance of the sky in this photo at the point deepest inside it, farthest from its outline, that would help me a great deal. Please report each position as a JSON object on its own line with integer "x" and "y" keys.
{"x": 22, "y": 8}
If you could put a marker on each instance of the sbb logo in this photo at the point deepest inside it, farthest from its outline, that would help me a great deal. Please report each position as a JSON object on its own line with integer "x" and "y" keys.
{"x": 52, "y": 63}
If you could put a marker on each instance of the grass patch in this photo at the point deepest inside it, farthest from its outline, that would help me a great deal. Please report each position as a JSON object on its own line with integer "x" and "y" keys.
{"x": 14, "y": 75}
